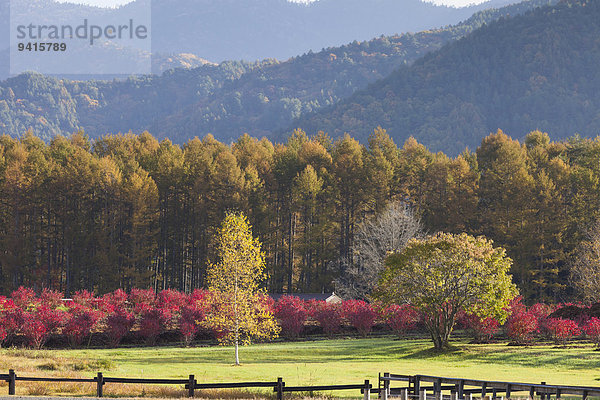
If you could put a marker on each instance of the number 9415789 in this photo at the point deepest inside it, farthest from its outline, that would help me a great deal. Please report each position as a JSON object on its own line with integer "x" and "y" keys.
{"x": 35, "y": 46}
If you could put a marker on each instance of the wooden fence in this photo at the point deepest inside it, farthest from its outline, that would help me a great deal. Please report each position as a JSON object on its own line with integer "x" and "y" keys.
{"x": 421, "y": 387}
{"x": 424, "y": 387}
{"x": 191, "y": 384}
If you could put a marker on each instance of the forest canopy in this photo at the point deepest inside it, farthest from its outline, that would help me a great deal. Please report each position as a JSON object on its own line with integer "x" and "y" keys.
{"x": 129, "y": 211}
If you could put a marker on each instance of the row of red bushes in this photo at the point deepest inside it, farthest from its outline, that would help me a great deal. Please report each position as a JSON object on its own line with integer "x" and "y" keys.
{"x": 36, "y": 318}
{"x": 542, "y": 320}
{"x": 521, "y": 326}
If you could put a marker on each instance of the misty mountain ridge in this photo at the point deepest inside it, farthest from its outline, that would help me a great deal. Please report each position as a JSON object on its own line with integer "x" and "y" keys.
{"x": 219, "y": 30}
{"x": 519, "y": 74}
{"x": 226, "y": 99}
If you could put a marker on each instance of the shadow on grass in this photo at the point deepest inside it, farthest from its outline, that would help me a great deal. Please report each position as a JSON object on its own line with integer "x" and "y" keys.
{"x": 534, "y": 356}
{"x": 431, "y": 353}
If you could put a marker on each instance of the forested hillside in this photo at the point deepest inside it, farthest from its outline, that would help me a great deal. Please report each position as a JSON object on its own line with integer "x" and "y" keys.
{"x": 137, "y": 212}
{"x": 226, "y": 100}
{"x": 534, "y": 71}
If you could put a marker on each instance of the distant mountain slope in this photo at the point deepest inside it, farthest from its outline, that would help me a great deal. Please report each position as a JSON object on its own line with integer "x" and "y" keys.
{"x": 268, "y": 98}
{"x": 218, "y": 30}
{"x": 256, "y": 29}
{"x": 226, "y": 100}
{"x": 536, "y": 71}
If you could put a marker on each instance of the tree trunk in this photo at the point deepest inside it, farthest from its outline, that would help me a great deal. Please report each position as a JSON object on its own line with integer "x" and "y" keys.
{"x": 237, "y": 355}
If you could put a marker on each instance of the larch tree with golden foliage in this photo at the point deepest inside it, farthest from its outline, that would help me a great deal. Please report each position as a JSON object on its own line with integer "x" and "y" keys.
{"x": 239, "y": 311}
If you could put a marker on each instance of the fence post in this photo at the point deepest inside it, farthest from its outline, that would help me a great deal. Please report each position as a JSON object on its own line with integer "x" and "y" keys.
{"x": 191, "y": 386}
{"x": 453, "y": 395}
{"x": 423, "y": 394}
{"x": 280, "y": 388}
{"x": 417, "y": 385}
{"x": 99, "y": 384}
{"x": 437, "y": 388}
{"x": 12, "y": 380}
{"x": 543, "y": 396}
{"x": 386, "y": 387}
{"x": 367, "y": 395}
{"x": 404, "y": 394}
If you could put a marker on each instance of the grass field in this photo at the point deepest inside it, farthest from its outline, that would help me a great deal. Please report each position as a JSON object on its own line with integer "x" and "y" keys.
{"x": 314, "y": 362}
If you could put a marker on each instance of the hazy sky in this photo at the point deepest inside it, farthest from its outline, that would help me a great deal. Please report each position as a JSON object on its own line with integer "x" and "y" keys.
{"x": 115, "y": 3}
{"x": 98, "y": 3}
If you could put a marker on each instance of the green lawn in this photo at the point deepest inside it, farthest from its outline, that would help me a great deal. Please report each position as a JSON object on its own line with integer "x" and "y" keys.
{"x": 329, "y": 362}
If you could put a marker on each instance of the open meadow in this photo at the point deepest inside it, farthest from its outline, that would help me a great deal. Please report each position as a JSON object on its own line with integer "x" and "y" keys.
{"x": 340, "y": 361}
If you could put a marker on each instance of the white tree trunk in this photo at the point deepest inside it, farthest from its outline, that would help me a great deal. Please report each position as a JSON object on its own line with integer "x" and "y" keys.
{"x": 237, "y": 356}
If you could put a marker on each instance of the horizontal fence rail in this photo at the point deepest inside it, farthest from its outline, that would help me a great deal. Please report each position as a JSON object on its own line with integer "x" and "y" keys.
{"x": 421, "y": 387}
{"x": 464, "y": 389}
{"x": 191, "y": 384}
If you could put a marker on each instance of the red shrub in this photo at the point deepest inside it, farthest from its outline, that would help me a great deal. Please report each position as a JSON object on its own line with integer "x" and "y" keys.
{"x": 329, "y": 316}
{"x": 172, "y": 300}
{"x": 34, "y": 330}
{"x": 541, "y": 312}
{"x": 53, "y": 319}
{"x": 360, "y": 314}
{"x": 38, "y": 325}
{"x": 562, "y": 329}
{"x": 84, "y": 299}
{"x": 400, "y": 318}
{"x": 189, "y": 321}
{"x": 24, "y": 298}
{"x": 521, "y": 324}
{"x": 592, "y": 329}
{"x": 52, "y": 298}
{"x": 152, "y": 323}
{"x": 145, "y": 297}
{"x": 80, "y": 323}
{"x": 12, "y": 320}
{"x": 113, "y": 301}
{"x": 291, "y": 313}
{"x": 118, "y": 324}
{"x": 482, "y": 330}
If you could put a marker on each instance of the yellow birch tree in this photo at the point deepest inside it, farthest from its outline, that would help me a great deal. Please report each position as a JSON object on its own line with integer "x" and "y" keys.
{"x": 239, "y": 311}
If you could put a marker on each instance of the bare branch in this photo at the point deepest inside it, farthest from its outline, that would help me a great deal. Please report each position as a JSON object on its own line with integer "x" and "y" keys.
{"x": 389, "y": 232}
{"x": 585, "y": 271}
